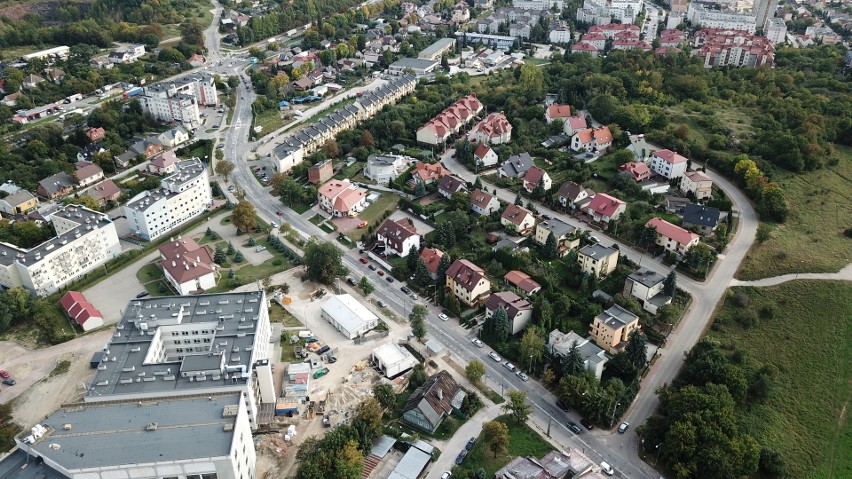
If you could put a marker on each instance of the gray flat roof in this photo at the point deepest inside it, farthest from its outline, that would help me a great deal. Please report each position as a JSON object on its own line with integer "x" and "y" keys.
{"x": 12, "y": 467}
{"x": 646, "y": 277}
{"x": 186, "y": 171}
{"x": 231, "y": 317}
{"x": 597, "y": 250}
{"x": 414, "y": 63}
{"x": 558, "y": 227}
{"x": 439, "y": 45}
{"x": 104, "y": 435}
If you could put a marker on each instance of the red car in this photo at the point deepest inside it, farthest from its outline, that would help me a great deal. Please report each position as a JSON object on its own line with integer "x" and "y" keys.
{"x": 381, "y": 273}
{"x": 280, "y": 213}
{"x": 4, "y": 374}
{"x": 363, "y": 260}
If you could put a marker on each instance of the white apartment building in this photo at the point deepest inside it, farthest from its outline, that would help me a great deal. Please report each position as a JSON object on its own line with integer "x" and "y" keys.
{"x": 178, "y": 100}
{"x": 538, "y": 4}
{"x": 182, "y": 196}
{"x": 85, "y": 240}
{"x": 775, "y": 30}
{"x": 601, "y": 12}
{"x": 559, "y": 32}
{"x": 713, "y": 15}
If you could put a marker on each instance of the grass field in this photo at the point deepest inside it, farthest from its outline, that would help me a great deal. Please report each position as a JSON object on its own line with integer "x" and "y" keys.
{"x": 523, "y": 441}
{"x": 270, "y": 120}
{"x": 809, "y": 341}
{"x": 373, "y": 212}
{"x": 812, "y": 239}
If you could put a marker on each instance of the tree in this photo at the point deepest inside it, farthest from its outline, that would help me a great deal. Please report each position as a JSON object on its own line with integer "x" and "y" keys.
{"x": 238, "y": 258}
{"x": 496, "y": 436}
{"x": 290, "y": 191}
{"x": 231, "y": 274}
{"x": 572, "y": 362}
{"x": 531, "y": 80}
{"x": 418, "y": 376}
{"x": 417, "y": 317}
{"x": 452, "y": 304}
{"x": 519, "y": 201}
{"x": 670, "y": 285}
{"x": 219, "y": 256}
{"x": 365, "y": 285}
{"x": 517, "y": 406}
{"x": 419, "y": 189}
{"x": 637, "y": 349}
{"x": 323, "y": 261}
{"x": 244, "y": 216}
{"x": 550, "y": 250}
{"x": 383, "y": 392}
{"x": 649, "y": 236}
{"x": 349, "y": 462}
{"x": 533, "y": 346}
{"x": 331, "y": 149}
{"x": 367, "y": 139}
{"x": 443, "y": 266}
{"x": 369, "y": 415}
{"x": 231, "y": 249}
{"x": 445, "y": 64}
{"x": 224, "y": 168}
{"x": 88, "y": 202}
{"x": 421, "y": 273}
{"x": 276, "y": 179}
{"x": 500, "y": 324}
{"x": 474, "y": 371}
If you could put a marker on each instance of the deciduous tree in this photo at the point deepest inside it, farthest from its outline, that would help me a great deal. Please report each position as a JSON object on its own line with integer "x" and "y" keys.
{"x": 496, "y": 436}
{"x": 224, "y": 168}
{"x": 244, "y": 216}
{"x": 383, "y": 392}
{"x": 517, "y": 406}
{"x": 474, "y": 371}
{"x": 323, "y": 261}
{"x": 417, "y": 318}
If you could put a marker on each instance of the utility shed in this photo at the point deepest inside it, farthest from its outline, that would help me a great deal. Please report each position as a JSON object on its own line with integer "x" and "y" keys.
{"x": 348, "y": 316}
{"x": 393, "y": 359}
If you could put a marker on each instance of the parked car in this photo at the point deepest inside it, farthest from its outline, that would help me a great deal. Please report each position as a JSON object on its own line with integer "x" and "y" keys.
{"x": 587, "y": 424}
{"x": 405, "y": 289}
{"x": 574, "y": 427}
{"x": 495, "y": 356}
{"x": 381, "y": 273}
{"x": 509, "y": 366}
{"x": 470, "y": 443}
{"x": 389, "y": 279}
{"x": 350, "y": 281}
{"x": 381, "y": 304}
{"x": 320, "y": 373}
{"x": 479, "y": 344}
{"x": 414, "y": 296}
{"x": 326, "y": 422}
{"x": 561, "y": 405}
{"x": 607, "y": 468}
{"x": 623, "y": 427}
{"x": 523, "y": 376}
{"x": 461, "y": 456}
{"x": 311, "y": 339}
{"x": 363, "y": 260}
{"x": 323, "y": 350}
{"x": 4, "y": 374}
{"x": 9, "y": 381}
{"x": 372, "y": 267}
{"x": 259, "y": 249}
{"x": 448, "y": 474}
{"x": 444, "y": 317}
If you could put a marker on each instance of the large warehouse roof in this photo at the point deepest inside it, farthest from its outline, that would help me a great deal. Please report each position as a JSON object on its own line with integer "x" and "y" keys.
{"x": 348, "y": 312}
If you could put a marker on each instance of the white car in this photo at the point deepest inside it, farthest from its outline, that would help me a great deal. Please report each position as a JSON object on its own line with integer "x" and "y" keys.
{"x": 522, "y": 376}
{"x": 495, "y": 356}
{"x": 446, "y": 475}
{"x": 607, "y": 468}
{"x": 509, "y": 366}
{"x": 444, "y": 317}
{"x": 623, "y": 427}
{"x": 274, "y": 224}
{"x": 478, "y": 343}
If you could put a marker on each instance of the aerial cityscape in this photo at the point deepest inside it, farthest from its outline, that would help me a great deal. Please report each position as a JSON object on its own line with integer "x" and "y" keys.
{"x": 431, "y": 239}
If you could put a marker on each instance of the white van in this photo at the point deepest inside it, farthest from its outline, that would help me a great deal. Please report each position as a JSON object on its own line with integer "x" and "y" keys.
{"x": 305, "y": 334}
{"x": 605, "y": 467}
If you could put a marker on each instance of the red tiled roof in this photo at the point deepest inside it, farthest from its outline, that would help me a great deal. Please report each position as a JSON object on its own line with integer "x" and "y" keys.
{"x": 76, "y": 306}
{"x": 87, "y": 171}
{"x": 583, "y": 47}
{"x": 637, "y": 169}
{"x": 105, "y": 190}
{"x": 670, "y": 157}
{"x": 481, "y": 150}
{"x": 511, "y": 302}
{"x": 165, "y": 160}
{"x": 577, "y": 122}
{"x": 593, "y": 36}
{"x": 465, "y": 274}
{"x": 185, "y": 260}
{"x": 697, "y": 176}
{"x": 522, "y": 280}
{"x": 495, "y": 124}
{"x": 401, "y": 229}
{"x": 672, "y": 231}
{"x": 604, "y": 204}
{"x": 666, "y": 50}
{"x": 515, "y": 214}
{"x": 585, "y": 136}
{"x": 534, "y": 175}
{"x": 558, "y": 111}
{"x": 430, "y": 171}
{"x": 432, "y": 258}
{"x": 603, "y": 135}
{"x": 480, "y": 198}
{"x": 349, "y": 198}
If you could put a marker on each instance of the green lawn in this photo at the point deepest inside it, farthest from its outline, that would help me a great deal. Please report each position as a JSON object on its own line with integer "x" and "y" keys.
{"x": 809, "y": 341}
{"x": 270, "y": 120}
{"x": 350, "y": 171}
{"x": 149, "y": 272}
{"x": 277, "y": 314}
{"x": 523, "y": 441}
{"x": 387, "y": 202}
{"x": 812, "y": 239}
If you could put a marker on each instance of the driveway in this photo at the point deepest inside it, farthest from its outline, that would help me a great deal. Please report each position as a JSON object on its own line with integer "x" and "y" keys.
{"x": 422, "y": 227}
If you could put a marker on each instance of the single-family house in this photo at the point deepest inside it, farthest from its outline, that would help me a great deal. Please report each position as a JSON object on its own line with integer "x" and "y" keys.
{"x": 592, "y": 139}
{"x": 516, "y": 166}
{"x": 164, "y": 163}
{"x": 428, "y": 172}
{"x": 703, "y": 218}
{"x": 341, "y": 198}
{"x": 197, "y": 60}
{"x": 173, "y": 137}
{"x": 11, "y": 99}
{"x": 87, "y": 173}
{"x": 563, "y": 464}
{"x": 556, "y": 112}
{"x": 518, "y": 219}
{"x": 385, "y": 168}
{"x": 668, "y": 164}
{"x": 519, "y": 309}
{"x": 585, "y": 47}
{"x": 104, "y": 192}
{"x": 573, "y": 124}
{"x": 100, "y": 63}
{"x": 483, "y": 203}
{"x": 563, "y": 232}
{"x": 484, "y": 156}
{"x": 536, "y": 176}
{"x": 612, "y": 328}
{"x": 95, "y": 134}
{"x": 672, "y": 237}
{"x": 573, "y": 196}
{"x": 493, "y": 129}
{"x": 87, "y": 154}
{"x": 432, "y": 258}
{"x": 398, "y": 237}
{"x": 604, "y": 208}
{"x": 647, "y": 287}
{"x": 18, "y": 202}
{"x": 188, "y": 266}
{"x": 597, "y": 260}
{"x": 697, "y": 183}
{"x": 522, "y": 281}
{"x": 560, "y": 344}
{"x": 450, "y": 185}
{"x": 320, "y": 172}
{"x": 56, "y": 186}
{"x": 433, "y": 401}
{"x": 637, "y": 170}
{"x": 467, "y": 282}
{"x": 31, "y": 82}
{"x": 56, "y": 75}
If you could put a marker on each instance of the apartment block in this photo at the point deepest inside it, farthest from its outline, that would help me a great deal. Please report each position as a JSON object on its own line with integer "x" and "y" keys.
{"x": 178, "y": 100}
{"x": 182, "y": 196}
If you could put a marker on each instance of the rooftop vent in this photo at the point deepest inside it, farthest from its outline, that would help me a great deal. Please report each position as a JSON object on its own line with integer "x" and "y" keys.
{"x": 151, "y": 426}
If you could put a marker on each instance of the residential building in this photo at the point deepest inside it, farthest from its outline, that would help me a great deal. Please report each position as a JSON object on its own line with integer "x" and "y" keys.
{"x": 144, "y": 148}
{"x": 87, "y": 154}
{"x": 631, "y": 44}
{"x": 677, "y": 6}
{"x": 602, "y": 12}
{"x": 56, "y": 186}
{"x": 563, "y": 232}
{"x": 450, "y": 121}
{"x": 775, "y": 31}
{"x": 764, "y": 12}
{"x": 672, "y": 237}
{"x": 320, "y": 172}
{"x": 18, "y": 202}
{"x": 95, "y": 134}
{"x": 612, "y": 328}
{"x": 697, "y": 183}
{"x": 467, "y": 282}
{"x": 518, "y": 309}
{"x": 518, "y": 219}
{"x": 348, "y": 315}
{"x": 87, "y": 173}
{"x": 672, "y": 37}
{"x": 638, "y": 171}
{"x": 438, "y": 49}
{"x": 483, "y": 203}
{"x": 560, "y": 32}
{"x": 178, "y": 100}
{"x": 398, "y": 237}
{"x": 705, "y": 219}
{"x": 100, "y": 63}
{"x": 341, "y": 198}
{"x": 129, "y": 54}
{"x": 433, "y": 401}
{"x": 84, "y": 241}
{"x": 449, "y": 185}
{"x": 432, "y": 258}
{"x": 610, "y": 30}
{"x": 535, "y": 177}
{"x": 516, "y": 166}
{"x": 538, "y": 4}
{"x": 104, "y": 192}
{"x": 710, "y": 14}
{"x": 493, "y": 129}
{"x": 647, "y": 287}
{"x": 574, "y": 196}
{"x": 563, "y": 464}
{"x": 555, "y": 112}
{"x": 668, "y": 164}
{"x": 597, "y": 260}
{"x": 31, "y": 82}
{"x": 484, "y": 156}
{"x": 522, "y": 281}
{"x": 560, "y": 344}
{"x": 428, "y": 173}
{"x": 728, "y": 47}
{"x": 596, "y": 39}
{"x": 592, "y": 139}
{"x": 81, "y": 311}
{"x": 585, "y": 47}
{"x": 173, "y": 137}
{"x": 418, "y": 66}
{"x": 164, "y": 163}
{"x": 392, "y": 359}
{"x": 385, "y": 168}
{"x": 188, "y": 267}
{"x": 60, "y": 52}
{"x": 604, "y": 208}
{"x": 182, "y": 196}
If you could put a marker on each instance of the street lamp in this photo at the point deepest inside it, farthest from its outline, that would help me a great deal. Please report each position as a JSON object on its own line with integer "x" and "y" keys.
{"x": 612, "y": 420}
{"x": 657, "y": 458}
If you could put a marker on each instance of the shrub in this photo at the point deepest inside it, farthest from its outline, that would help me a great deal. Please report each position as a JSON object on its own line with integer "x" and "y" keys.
{"x": 741, "y": 300}
{"x": 747, "y": 318}
{"x": 277, "y": 262}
